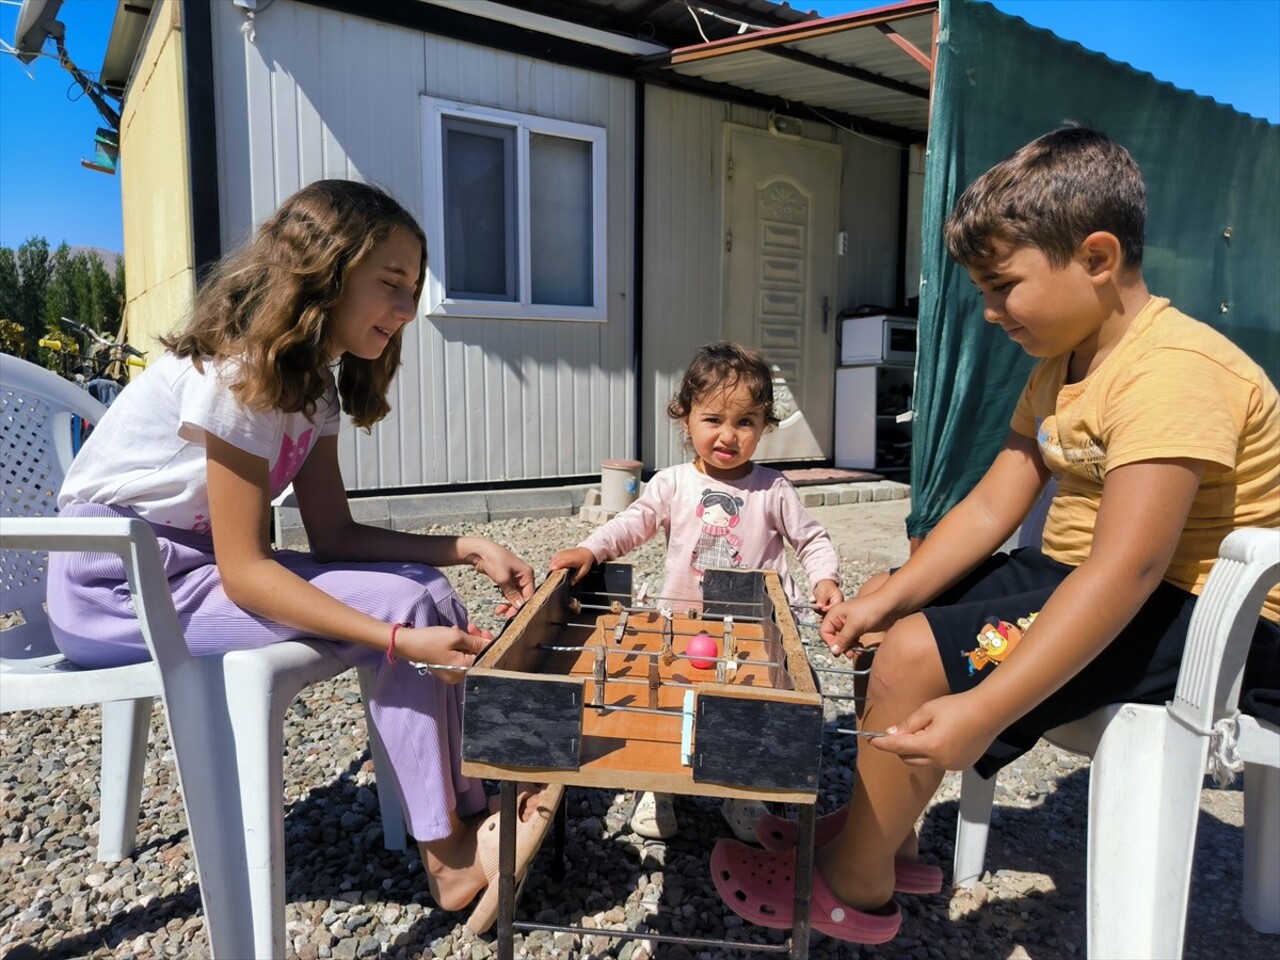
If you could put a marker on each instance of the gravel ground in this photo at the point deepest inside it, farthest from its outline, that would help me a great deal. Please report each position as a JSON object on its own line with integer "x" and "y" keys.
{"x": 347, "y": 897}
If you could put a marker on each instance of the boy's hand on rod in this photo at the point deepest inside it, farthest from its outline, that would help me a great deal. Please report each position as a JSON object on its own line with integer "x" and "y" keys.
{"x": 845, "y": 627}
{"x": 950, "y": 732}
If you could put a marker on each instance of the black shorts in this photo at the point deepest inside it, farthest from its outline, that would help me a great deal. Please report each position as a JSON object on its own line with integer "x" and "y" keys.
{"x": 1139, "y": 666}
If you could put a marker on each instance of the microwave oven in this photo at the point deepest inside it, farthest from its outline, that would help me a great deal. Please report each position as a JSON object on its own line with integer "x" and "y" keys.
{"x": 879, "y": 338}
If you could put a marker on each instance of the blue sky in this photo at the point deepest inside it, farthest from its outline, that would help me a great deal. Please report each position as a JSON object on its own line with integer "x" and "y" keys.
{"x": 1226, "y": 49}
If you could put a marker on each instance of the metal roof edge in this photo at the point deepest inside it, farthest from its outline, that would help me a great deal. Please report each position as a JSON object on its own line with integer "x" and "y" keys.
{"x": 797, "y": 31}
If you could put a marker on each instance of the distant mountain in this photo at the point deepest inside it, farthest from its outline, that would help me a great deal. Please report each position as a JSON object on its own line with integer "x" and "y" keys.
{"x": 107, "y": 257}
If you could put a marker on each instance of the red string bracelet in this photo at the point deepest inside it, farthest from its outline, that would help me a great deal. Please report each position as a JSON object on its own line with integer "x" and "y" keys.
{"x": 391, "y": 647}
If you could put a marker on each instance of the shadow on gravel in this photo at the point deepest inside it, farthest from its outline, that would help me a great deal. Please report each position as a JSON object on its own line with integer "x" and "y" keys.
{"x": 125, "y": 926}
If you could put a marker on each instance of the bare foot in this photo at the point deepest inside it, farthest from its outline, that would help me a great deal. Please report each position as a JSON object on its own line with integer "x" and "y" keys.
{"x": 456, "y": 865}
{"x": 454, "y": 871}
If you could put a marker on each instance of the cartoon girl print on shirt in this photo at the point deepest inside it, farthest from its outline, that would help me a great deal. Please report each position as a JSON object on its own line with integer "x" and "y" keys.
{"x": 716, "y": 546}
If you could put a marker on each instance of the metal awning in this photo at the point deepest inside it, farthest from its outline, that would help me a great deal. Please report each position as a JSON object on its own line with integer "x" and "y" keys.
{"x": 871, "y": 70}
{"x": 128, "y": 27}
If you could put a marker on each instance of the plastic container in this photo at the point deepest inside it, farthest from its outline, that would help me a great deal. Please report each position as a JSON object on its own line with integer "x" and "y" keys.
{"x": 619, "y": 484}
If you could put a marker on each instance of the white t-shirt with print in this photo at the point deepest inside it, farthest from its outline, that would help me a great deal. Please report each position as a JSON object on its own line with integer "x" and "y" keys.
{"x": 148, "y": 452}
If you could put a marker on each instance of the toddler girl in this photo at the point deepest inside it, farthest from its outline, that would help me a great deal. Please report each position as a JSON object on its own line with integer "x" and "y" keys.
{"x": 721, "y": 510}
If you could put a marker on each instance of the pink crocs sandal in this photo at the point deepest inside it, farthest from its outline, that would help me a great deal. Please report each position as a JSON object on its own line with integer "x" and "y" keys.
{"x": 760, "y": 886}
{"x": 911, "y": 876}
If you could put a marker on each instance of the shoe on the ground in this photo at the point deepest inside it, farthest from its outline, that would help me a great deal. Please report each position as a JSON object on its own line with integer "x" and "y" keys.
{"x": 760, "y": 886}
{"x": 743, "y": 816}
{"x": 654, "y": 816}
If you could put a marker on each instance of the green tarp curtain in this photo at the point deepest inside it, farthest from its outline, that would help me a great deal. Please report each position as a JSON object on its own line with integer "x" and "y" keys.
{"x": 1209, "y": 170}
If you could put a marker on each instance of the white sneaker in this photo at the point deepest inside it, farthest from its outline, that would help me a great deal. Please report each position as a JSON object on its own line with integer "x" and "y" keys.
{"x": 654, "y": 817}
{"x": 742, "y": 817}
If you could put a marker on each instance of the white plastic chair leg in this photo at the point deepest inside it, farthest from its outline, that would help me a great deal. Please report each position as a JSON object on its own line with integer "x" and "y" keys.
{"x": 1261, "y": 901}
{"x": 393, "y": 828}
{"x": 974, "y": 823}
{"x": 257, "y": 699}
{"x": 126, "y": 725}
{"x": 259, "y": 686}
{"x": 204, "y": 747}
{"x": 1144, "y": 805}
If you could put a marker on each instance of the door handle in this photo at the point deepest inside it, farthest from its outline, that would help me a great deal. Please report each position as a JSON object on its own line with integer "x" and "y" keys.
{"x": 826, "y": 311}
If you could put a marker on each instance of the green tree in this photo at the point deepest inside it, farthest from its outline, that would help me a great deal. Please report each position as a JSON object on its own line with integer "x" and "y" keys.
{"x": 33, "y": 282}
{"x": 12, "y": 340}
{"x": 10, "y": 299}
{"x": 38, "y": 287}
{"x": 100, "y": 309}
{"x": 60, "y": 294}
{"x": 117, "y": 291}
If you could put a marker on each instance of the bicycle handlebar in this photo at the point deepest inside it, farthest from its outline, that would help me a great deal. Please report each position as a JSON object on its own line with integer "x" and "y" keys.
{"x": 61, "y": 346}
{"x": 96, "y": 337}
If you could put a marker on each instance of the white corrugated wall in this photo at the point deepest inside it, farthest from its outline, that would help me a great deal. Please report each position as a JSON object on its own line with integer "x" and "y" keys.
{"x": 309, "y": 93}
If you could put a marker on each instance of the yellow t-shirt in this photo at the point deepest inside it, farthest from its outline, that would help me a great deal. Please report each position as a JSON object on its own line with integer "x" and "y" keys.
{"x": 1172, "y": 387}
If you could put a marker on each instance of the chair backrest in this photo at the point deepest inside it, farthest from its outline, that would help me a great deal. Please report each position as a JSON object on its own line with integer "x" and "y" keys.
{"x": 1223, "y": 624}
{"x": 37, "y": 408}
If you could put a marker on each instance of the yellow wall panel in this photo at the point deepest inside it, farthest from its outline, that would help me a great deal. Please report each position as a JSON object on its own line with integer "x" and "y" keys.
{"x": 159, "y": 273}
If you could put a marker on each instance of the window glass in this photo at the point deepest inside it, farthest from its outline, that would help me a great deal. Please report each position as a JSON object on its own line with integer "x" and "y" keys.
{"x": 479, "y": 210}
{"x": 560, "y": 219}
{"x": 515, "y": 214}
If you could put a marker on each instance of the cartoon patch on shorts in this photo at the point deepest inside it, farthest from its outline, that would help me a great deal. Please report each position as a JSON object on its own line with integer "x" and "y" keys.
{"x": 996, "y": 639}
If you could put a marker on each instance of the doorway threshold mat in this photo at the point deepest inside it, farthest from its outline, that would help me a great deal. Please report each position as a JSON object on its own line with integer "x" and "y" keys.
{"x": 808, "y": 476}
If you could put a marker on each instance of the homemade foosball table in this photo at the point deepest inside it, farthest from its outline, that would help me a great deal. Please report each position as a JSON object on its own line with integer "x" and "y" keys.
{"x": 587, "y": 687}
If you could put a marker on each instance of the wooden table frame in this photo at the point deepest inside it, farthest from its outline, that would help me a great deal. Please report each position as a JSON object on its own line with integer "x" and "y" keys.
{"x": 533, "y": 713}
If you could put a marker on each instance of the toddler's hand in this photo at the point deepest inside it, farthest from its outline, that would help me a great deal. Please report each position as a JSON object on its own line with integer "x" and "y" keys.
{"x": 576, "y": 559}
{"x": 446, "y": 646}
{"x": 827, "y": 593}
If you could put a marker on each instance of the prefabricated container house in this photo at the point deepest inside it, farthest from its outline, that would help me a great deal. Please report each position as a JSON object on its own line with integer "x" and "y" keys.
{"x": 608, "y": 184}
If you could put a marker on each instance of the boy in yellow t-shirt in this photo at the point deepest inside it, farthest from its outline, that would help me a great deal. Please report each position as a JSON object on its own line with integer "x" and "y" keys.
{"x": 1162, "y": 435}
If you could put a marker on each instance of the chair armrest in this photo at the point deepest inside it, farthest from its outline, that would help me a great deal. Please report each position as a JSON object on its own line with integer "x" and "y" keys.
{"x": 134, "y": 542}
{"x": 1222, "y": 626}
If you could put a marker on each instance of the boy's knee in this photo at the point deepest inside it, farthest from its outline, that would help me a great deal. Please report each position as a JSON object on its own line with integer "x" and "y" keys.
{"x": 905, "y": 653}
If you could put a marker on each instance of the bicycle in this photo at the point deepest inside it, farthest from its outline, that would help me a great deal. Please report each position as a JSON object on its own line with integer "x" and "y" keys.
{"x": 101, "y": 369}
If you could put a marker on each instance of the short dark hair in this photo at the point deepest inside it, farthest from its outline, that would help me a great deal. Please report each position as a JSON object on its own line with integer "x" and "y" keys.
{"x": 719, "y": 365}
{"x": 1051, "y": 194}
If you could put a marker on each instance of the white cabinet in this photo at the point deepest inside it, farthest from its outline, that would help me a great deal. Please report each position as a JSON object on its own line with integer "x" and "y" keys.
{"x": 868, "y": 434}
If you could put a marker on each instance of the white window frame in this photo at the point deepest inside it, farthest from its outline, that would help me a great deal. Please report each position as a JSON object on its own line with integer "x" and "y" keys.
{"x": 438, "y": 303}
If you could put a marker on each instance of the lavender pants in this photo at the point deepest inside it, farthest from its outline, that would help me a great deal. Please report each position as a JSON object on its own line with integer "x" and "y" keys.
{"x": 418, "y": 717}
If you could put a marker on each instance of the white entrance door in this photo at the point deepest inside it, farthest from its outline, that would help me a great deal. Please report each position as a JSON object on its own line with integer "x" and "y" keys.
{"x": 780, "y": 204}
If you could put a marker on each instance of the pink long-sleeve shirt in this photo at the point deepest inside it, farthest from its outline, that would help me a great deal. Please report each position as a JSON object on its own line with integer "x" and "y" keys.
{"x": 709, "y": 523}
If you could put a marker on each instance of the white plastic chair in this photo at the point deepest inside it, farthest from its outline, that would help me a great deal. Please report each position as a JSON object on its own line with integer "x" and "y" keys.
{"x": 225, "y": 713}
{"x": 1147, "y": 770}
{"x": 36, "y": 410}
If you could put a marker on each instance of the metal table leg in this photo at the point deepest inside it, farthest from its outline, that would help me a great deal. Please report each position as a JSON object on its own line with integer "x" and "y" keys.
{"x": 507, "y": 871}
{"x": 804, "y": 882}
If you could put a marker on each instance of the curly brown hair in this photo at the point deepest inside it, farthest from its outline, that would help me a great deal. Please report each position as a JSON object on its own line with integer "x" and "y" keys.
{"x": 717, "y": 366}
{"x": 267, "y": 303}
